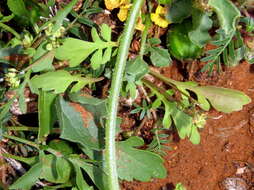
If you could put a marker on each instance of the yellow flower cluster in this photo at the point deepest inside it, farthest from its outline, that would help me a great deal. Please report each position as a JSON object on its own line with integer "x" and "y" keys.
{"x": 159, "y": 17}
{"x": 124, "y": 6}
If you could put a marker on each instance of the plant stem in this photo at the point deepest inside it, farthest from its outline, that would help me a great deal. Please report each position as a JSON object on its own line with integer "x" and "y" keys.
{"x": 28, "y": 161}
{"x": 144, "y": 36}
{"x": 110, "y": 152}
{"x": 9, "y": 29}
{"x": 35, "y": 129}
{"x": 158, "y": 89}
{"x": 22, "y": 128}
{"x": 172, "y": 83}
{"x": 163, "y": 78}
{"x": 30, "y": 143}
{"x": 33, "y": 144}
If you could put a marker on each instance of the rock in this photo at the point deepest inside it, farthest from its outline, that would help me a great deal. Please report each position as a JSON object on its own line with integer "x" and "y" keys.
{"x": 234, "y": 183}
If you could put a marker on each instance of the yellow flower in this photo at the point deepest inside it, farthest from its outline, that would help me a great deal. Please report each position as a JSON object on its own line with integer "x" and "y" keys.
{"x": 124, "y": 6}
{"x": 112, "y": 4}
{"x": 140, "y": 26}
{"x": 159, "y": 17}
{"x": 123, "y": 12}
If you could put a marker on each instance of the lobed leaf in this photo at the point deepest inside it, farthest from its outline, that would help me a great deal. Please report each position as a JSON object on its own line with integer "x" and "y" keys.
{"x": 223, "y": 99}
{"x": 76, "y": 51}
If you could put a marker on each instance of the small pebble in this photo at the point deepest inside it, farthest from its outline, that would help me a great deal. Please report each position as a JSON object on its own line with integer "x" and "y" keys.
{"x": 234, "y": 183}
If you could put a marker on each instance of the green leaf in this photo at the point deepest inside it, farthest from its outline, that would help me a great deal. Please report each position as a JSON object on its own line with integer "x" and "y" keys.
{"x": 98, "y": 107}
{"x": 4, "y": 110}
{"x": 227, "y": 14}
{"x": 26, "y": 11}
{"x": 136, "y": 69}
{"x": 97, "y": 175}
{"x": 164, "y": 2}
{"x": 62, "y": 146}
{"x": 201, "y": 25}
{"x": 154, "y": 41}
{"x": 223, "y": 99}
{"x": 132, "y": 89}
{"x": 18, "y": 8}
{"x": 81, "y": 183}
{"x": 55, "y": 169}
{"x": 106, "y": 55}
{"x": 160, "y": 57}
{"x": 58, "y": 81}
{"x": 77, "y": 124}
{"x": 26, "y": 181}
{"x": 106, "y": 32}
{"x": 29, "y": 161}
{"x": 142, "y": 165}
{"x": 46, "y": 114}
{"x": 179, "y": 10}
{"x": 215, "y": 55}
{"x": 43, "y": 59}
{"x": 182, "y": 121}
{"x": 95, "y": 35}
{"x": 22, "y": 99}
{"x": 179, "y": 186}
{"x": 61, "y": 15}
{"x": 194, "y": 136}
{"x": 4, "y": 19}
{"x": 76, "y": 51}
{"x": 96, "y": 59}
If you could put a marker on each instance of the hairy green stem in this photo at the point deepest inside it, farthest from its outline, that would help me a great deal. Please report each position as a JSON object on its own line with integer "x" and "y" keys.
{"x": 110, "y": 151}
